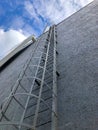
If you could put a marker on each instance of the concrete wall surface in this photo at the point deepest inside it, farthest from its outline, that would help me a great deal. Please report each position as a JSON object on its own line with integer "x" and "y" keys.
{"x": 77, "y": 63}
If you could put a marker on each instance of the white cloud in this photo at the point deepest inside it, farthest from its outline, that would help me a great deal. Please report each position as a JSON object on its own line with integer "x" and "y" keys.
{"x": 31, "y": 10}
{"x": 83, "y": 2}
{"x": 34, "y": 16}
{"x": 54, "y": 10}
{"x": 17, "y": 22}
{"x": 28, "y": 29}
{"x": 9, "y": 40}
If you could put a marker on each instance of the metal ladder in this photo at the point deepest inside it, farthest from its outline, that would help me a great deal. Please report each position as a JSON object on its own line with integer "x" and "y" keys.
{"x": 32, "y": 103}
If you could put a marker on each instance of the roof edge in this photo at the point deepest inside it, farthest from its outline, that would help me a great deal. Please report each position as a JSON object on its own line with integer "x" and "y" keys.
{"x": 17, "y": 49}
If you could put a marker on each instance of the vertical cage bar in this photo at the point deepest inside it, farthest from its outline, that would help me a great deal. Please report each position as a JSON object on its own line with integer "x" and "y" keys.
{"x": 42, "y": 82}
{"x": 54, "y": 100}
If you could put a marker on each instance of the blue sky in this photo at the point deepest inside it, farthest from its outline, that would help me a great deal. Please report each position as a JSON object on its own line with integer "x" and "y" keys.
{"x": 21, "y": 18}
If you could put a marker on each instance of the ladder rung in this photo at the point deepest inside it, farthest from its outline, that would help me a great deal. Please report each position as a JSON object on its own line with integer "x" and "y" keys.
{"x": 57, "y": 73}
{"x": 37, "y": 82}
{"x": 57, "y": 52}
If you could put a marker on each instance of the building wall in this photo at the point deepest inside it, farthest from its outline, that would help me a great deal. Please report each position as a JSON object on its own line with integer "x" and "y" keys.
{"x": 77, "y": 64}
